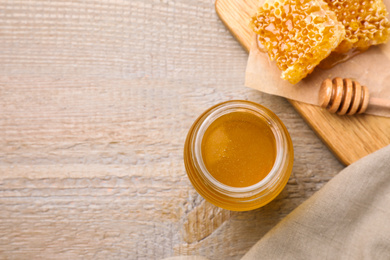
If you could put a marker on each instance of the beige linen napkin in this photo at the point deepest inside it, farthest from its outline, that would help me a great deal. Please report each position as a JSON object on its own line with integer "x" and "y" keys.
{"x": 349, "y": 218}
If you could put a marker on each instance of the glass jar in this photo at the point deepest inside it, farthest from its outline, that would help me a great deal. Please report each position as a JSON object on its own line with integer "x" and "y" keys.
{"x": 238, "y": 198}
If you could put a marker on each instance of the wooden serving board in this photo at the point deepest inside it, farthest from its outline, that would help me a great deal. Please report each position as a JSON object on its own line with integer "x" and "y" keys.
{"x": 349, "y": 138}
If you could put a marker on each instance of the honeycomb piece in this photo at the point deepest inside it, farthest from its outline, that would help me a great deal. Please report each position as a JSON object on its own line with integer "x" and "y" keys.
{"x": 365, "y": 23}
{"x": 297, "y": 34}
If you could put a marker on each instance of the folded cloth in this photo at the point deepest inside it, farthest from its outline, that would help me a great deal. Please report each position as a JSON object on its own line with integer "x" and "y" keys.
{"x": 349, "y": 218}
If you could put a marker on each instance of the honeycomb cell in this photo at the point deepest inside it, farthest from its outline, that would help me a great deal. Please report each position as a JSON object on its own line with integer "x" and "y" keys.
{"x": 366, "y": 23}
{"x": 297, "y": 34}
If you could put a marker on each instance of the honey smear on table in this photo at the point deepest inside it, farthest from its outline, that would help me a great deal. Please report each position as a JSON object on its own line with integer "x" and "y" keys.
{"x": 239, "y": 149}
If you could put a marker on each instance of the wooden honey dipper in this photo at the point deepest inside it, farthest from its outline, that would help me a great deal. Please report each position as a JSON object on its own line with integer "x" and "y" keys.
{"x": 347, "y": 97}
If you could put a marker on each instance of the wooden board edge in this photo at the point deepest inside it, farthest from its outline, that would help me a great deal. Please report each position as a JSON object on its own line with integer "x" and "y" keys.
{"x": 340, "y": 156}
{"x": 217, "y": 10}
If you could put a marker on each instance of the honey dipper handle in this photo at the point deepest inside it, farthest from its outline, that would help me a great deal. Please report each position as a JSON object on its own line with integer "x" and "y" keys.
{"x": 379, "y": 102}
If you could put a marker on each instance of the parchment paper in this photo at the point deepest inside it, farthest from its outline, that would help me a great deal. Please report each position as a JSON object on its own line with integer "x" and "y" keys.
{"x": 371, "y": 69}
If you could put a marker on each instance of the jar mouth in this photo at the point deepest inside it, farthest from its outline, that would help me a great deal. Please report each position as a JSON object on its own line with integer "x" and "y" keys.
{"x": 247, "y": 107}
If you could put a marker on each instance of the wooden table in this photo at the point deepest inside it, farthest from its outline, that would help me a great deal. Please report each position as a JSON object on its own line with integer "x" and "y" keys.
{"x": 96, "y": 98}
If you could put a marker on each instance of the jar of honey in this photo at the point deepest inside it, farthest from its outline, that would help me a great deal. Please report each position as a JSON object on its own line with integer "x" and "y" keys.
{"x": 238, "y": 155}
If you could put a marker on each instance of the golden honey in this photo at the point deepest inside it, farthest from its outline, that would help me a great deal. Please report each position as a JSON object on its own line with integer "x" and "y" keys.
{"x": 238, "y": 149}
{"x": 365, "y": 23}
{"x": 297, "y": 34}
{"x": 238, "y": 155}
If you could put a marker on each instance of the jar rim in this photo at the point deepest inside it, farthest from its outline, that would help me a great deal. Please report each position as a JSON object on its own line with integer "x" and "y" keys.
{"x": 258, "y": 110}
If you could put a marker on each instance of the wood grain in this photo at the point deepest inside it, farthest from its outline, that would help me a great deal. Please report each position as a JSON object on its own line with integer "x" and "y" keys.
{"x": 349, "y": 138}
{"x": 96, "y": 98}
